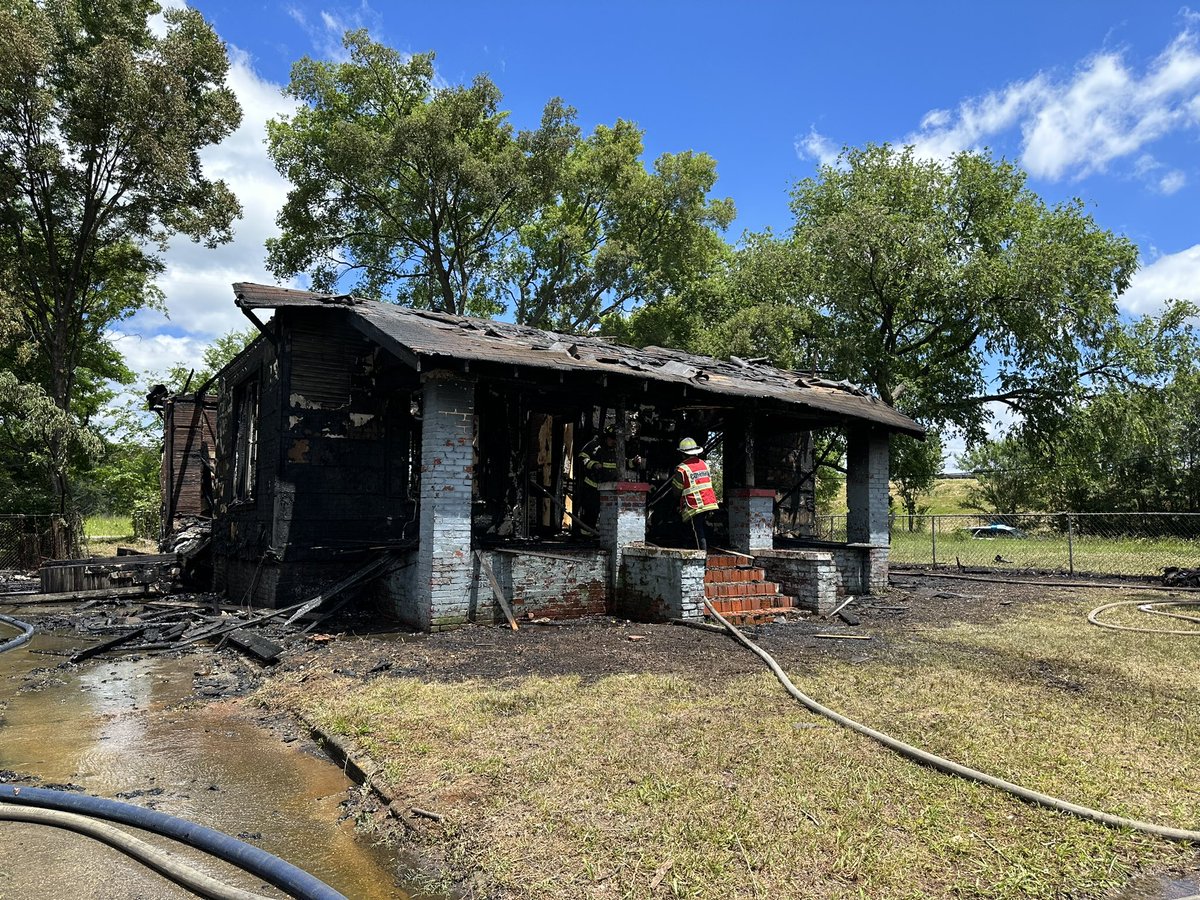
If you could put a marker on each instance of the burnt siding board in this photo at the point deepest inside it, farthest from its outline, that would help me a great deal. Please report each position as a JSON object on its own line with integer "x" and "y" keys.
{"x": 243, "y": 529}
{"x": 334, "y": 457}
{"x": 189, "y": 442}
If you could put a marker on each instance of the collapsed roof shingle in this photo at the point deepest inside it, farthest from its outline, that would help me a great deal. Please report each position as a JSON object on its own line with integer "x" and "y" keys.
{"x": 427, "y": 337}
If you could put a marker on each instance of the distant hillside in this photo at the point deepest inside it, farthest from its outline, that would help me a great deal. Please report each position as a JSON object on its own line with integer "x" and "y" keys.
{"x": 949, "y": 497}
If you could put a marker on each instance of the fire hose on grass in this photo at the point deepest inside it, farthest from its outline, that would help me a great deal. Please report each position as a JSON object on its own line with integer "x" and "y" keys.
{"x": 293, "y": 881}
{"x": 944, "y": 765}
{"x": 1143, "y": 606}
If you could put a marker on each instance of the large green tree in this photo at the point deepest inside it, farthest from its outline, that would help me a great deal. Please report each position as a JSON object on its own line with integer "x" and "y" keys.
{"x": 949, "y": 285}
{"x": 413, "y": 189}
{"x": 1127, "y": 449}
{"x": 614, "y": 232}
{"x": 943, "y": 286}
{"x": 101, "y": 126}
{"x": 425, "y": 193}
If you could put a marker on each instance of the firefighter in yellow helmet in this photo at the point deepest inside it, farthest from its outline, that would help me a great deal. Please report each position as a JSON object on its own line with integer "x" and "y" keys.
{"x": 696, "y": 495}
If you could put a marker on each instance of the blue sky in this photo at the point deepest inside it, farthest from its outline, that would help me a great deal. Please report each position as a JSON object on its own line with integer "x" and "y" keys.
{"x": 1099, "y": 100}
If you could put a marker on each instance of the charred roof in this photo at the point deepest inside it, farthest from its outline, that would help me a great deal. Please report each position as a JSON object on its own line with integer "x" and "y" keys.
{"x": 425, "y": 339}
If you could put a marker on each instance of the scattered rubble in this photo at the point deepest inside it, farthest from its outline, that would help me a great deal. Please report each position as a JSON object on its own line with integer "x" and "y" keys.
{"x": 1174, "y": 576}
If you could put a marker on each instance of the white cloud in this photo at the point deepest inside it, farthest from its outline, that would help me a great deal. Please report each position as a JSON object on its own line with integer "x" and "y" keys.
{"x": 326, "y": 34}
{"x": 156, "y": 353}
{"x": 818, "y": 147}
{"x": 1074, "y": 125}
{"x": 1175, "y": 276}
{"x": 197, "y": 281}
{"x": 943, "y": 133}
{"x": 1151, "y": 171}
{"x": 1171, "y": 182}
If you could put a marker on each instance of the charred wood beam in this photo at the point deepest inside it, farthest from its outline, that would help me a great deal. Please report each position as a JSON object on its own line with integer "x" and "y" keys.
{"x": 258, "y": 323}
{"x": 622, "y": 424}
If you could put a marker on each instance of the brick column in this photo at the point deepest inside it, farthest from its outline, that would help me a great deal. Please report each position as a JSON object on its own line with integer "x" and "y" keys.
{"x": 751, "y": 518}
{"x": 622, "y": 521}
{"x": 867, "y": 499}
{"x": 444, "y": 565}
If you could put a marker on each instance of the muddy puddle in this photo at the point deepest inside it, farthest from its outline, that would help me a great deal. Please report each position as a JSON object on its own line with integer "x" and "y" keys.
{"x": 128, "y": 728}
{"x": 1157, "y": 887}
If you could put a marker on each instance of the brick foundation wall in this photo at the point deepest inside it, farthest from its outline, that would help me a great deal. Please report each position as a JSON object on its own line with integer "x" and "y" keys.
{"x": 751, "y": 518}
{"x": 860, "y": 569}
{"x": 658, "y": 583}
{"x": 444, "y": 567}
{"x": 809, "y": 576}
{"x": 566, "y": 585}
{"x": 397, "y": 589}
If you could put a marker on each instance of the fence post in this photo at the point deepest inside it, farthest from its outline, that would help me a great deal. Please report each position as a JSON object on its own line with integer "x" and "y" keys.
{"x": 1070, "y": 544}
{"x": 933, "y": 520}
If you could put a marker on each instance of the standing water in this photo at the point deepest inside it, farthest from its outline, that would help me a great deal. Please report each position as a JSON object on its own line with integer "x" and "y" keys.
{"x": 124, "y": 727}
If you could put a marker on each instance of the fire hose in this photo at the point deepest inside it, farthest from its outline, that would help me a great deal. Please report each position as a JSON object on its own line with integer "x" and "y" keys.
{"x": 26, "y": 633}
{"x": 293, "y": 881}
{"x": 944, "y": 765}
{"x": 179, "y": 872}
{"x": 1094, "y": 616}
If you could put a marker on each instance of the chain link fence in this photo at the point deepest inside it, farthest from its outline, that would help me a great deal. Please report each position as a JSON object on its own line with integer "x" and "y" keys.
{"x": 1084, "y": 543}
{"x": 26, "y": 540}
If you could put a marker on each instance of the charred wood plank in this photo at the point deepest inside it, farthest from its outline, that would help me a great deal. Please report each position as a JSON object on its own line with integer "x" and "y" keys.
{"x": 370, "y": 570}
{"x": 136, "y": 590}
{"x": 253, "y": 645}
{"x": 497, "y": 591}
{"x": 96, "y": 649}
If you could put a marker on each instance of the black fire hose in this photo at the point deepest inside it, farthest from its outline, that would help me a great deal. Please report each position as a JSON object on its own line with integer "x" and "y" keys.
{"x": 26, "y": 633}
{"x": 283, "y": 875}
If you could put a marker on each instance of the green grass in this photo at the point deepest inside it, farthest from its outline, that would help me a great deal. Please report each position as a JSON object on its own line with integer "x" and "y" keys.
{"x": 669, "y": 786}
{"x": 108, "y": 525}
{"x": 1112, "y": 556}
{"x": 949, "y": 496}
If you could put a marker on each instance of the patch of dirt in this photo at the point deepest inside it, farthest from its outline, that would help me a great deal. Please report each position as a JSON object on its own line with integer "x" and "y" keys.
{"x": 591, "y": 648}
{"x": 600, "y": 646}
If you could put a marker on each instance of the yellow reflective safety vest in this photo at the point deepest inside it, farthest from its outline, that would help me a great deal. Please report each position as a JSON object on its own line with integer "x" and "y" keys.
{"x": 599, "y": 464}
{"x": 694, "y": 483}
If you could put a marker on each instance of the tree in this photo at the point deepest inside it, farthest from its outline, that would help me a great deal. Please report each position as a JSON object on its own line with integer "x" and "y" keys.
{"x": 123, "y": 469}
{"x": 426, "y": 195}
{"x": 932, "y": 274}
{"x": 615, "y": 232}
{"x": 945, "y": 287}
{"x": 1008, "y": 477}
{"x": 101, "y": 126}
{"x": 915, "y": 466}
{"x": 1128, "y": 449}
{"x": 413, "y": 188}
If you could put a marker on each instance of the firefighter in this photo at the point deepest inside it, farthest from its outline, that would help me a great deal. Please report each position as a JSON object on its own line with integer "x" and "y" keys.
{"x": 696, "y": 495}
{"x": 598, "y": 462}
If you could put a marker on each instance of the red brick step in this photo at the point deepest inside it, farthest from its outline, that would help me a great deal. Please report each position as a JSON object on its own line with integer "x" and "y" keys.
{"x": 740, "y": 591}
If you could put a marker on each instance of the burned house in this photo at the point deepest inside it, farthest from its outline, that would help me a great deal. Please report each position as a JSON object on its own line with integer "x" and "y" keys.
{"x": 186, "y": 476}
{"x": 353, "y": 428}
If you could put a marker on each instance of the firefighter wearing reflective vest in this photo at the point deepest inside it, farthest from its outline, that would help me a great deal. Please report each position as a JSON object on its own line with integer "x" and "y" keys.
{"x": 696, "y": 495}
{"x": 599, "y": 463}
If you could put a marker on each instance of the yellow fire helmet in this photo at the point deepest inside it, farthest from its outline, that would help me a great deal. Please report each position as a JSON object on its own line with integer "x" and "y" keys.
{"x": 690, "y": 447}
